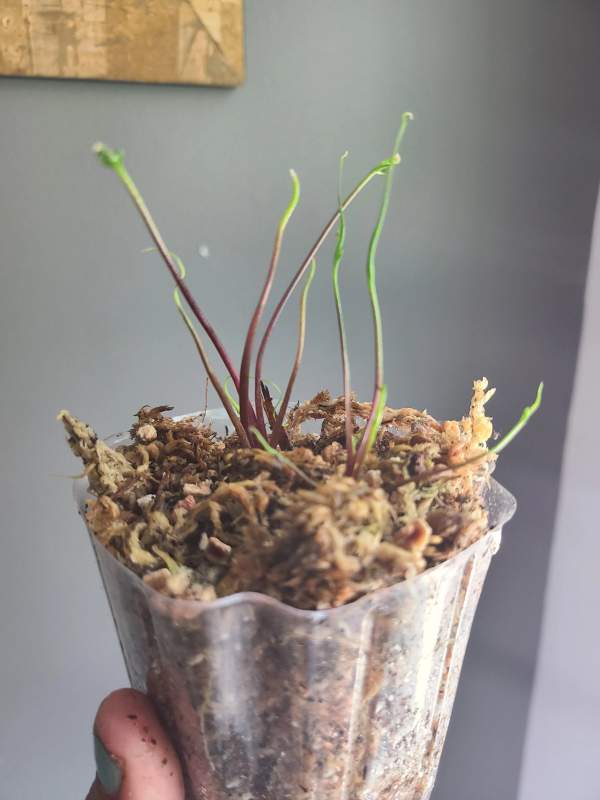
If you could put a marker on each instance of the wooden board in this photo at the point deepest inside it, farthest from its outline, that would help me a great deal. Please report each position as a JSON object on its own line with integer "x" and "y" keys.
{"x": 152, "y": 41}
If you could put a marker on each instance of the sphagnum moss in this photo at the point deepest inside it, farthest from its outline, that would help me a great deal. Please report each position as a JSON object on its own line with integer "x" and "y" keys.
{"x": 316, "y": 520}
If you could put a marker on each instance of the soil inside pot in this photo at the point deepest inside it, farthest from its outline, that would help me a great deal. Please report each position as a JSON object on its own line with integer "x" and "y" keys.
{"x": 198, "y": 516}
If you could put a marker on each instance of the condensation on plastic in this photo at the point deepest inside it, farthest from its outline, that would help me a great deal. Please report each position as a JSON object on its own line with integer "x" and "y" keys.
{"x": 268, "y": 702}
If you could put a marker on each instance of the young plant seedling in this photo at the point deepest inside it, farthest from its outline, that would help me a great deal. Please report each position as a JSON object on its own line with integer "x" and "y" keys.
{"x": 249, "y": 420}
{"x": 378, "y": 495}
{"x": 314, "y": 520}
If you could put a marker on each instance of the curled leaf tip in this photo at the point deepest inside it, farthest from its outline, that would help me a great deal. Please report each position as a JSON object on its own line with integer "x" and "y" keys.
{"x": 529, "y": 410}
{"x": 293, "y": 202}
{"x": 537, "y": 402}
{"x": 540, "y": 392}
{"x": 408, "y": 115}
{"x": 295, "y": 196}
{"x": 108, "y": 157}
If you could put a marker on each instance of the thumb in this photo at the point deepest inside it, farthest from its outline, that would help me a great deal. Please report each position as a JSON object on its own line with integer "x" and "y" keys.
{"x": 134, "y": 757}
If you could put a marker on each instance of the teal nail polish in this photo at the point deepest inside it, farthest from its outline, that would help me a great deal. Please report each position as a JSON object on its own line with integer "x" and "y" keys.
{"x": 108, "y": 769}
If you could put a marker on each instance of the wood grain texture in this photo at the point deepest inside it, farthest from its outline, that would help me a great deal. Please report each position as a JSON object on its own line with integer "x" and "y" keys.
{"x": 149, "y": 41}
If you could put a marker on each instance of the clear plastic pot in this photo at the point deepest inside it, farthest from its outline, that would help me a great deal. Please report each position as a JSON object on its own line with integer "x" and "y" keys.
{"x": 268, "y": 702}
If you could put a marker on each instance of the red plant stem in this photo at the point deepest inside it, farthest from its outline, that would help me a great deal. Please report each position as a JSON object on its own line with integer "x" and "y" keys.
{"x": 195, "y": 308}
{"x": 244, "y": 389}
{"x": 279, "y": 435}
{"x": 299, "y": 274}
{"x": 243, "y": 437}
{"x": 347, "y": 404}
{"x": 168, "y": 259}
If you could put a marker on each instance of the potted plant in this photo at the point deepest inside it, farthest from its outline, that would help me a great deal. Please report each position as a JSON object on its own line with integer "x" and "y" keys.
{"x": 297, "y": 603}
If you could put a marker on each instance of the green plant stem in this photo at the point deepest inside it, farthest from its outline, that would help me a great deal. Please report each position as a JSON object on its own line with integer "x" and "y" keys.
{"x": 379, "y": 411}
{"x": 235, "y": 420}
{"x": 380, "y": 169}
{"x": 243, "y": 391}
{"x": 367, "y": 437}
{"x": 211, "y": 374}
{"x": 447, "y": 472}
{"x": 232, "y": 399}
{"x": 335, "y": 279}
{"x": 220, "y": 390}
{"x": 278, "y": 431}
{"x": 281, "y": 458}
{"x": 526, "y": 415}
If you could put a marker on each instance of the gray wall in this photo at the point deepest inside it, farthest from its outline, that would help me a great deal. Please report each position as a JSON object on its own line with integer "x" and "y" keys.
{"x": 563, "y": 737}
{"x": 482, "y": 271}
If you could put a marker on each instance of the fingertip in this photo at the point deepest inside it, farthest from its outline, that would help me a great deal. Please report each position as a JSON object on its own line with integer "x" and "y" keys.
{"x": 117, "y": 701}
{"x": 131, "y": 733}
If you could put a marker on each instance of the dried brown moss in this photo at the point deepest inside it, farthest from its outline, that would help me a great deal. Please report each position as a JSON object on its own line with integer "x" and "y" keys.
{"x": 198, "y": 516}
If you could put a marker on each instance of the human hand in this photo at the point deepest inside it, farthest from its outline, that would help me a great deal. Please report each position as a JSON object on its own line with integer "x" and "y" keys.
{"x": 134, "y": 758}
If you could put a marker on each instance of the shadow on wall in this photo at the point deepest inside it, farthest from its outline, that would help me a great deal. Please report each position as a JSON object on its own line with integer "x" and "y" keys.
{"x": 561, "y": 753}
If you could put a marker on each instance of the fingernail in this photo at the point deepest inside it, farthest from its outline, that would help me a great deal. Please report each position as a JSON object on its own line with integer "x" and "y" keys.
{"x": 108, "y": 769}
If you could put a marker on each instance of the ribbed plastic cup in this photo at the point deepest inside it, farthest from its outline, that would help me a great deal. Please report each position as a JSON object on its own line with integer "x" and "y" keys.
{"x": 267, "y": 702}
